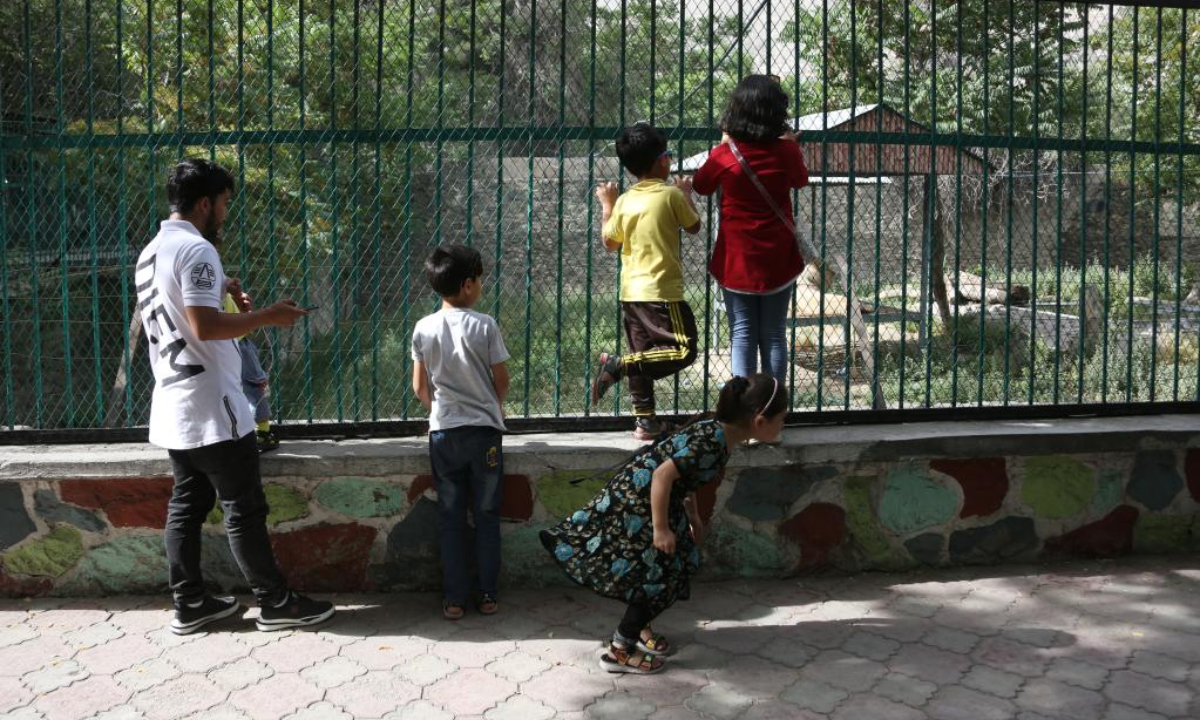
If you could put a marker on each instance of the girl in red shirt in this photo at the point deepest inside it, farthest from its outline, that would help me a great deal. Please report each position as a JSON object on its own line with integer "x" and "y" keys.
{"x": 756, "y": 259}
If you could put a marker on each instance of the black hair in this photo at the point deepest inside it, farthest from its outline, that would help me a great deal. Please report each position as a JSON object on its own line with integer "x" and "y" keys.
{"x": 639, "y": 147}
{"x": 448, "y": 267}
{"x": 193, "y": 179}
{"x": 757, "y": 110}
{"x": 742, "y": 399}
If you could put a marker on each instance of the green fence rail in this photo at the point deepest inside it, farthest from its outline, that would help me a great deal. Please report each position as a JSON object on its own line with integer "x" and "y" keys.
{"x": 1016, "y": 186}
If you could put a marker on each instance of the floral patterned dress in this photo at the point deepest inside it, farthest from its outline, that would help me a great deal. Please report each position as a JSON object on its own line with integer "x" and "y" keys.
{"x": 608, "y": 545}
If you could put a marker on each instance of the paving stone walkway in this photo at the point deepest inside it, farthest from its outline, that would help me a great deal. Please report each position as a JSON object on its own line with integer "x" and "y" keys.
{"x": 1112, "y": 640}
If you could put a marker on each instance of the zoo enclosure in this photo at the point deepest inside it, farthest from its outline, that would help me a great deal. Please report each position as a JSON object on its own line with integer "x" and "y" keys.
{"x": 363, "y": 133}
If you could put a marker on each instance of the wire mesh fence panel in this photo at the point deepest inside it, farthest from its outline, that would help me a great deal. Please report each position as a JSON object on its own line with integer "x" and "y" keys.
{"x": 1014, "y": 187}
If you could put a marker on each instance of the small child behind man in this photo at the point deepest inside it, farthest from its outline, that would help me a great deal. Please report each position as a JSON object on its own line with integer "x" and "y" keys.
{"x": 255, "y": 382}
{"x": 643, "y": 224}
{"x": 460, "y": 376}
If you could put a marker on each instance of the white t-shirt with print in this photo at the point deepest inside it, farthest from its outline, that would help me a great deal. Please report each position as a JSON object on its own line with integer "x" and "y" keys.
{"x": 198, "y": 397}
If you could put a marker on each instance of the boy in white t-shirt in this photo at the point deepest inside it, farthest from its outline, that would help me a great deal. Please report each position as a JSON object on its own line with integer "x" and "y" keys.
{"x": 198, "y": 412}
{"x": 460, "y": 375}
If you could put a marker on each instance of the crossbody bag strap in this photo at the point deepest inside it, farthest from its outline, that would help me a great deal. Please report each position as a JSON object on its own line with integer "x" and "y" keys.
{"x": 806, "y": 249}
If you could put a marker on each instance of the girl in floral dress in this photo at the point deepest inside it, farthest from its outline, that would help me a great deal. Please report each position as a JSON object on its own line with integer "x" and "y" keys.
{"x": 632, "y": 542}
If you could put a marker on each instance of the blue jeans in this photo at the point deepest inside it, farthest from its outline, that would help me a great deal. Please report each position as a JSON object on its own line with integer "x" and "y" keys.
{"x": 468, "y": 466}
{"x": 758, "y": 326}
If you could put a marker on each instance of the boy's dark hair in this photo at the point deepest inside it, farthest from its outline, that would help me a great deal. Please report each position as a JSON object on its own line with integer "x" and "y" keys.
{"x": 742, "y": 399}
{"x": 449, "y": 266}
{"x": 639, "y": 147}
{"x": 193, "y": 179}
{"x": 757, "y": 110}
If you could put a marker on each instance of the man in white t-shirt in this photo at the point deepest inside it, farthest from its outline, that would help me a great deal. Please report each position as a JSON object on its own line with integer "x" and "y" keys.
{"x": 198, "y": 412}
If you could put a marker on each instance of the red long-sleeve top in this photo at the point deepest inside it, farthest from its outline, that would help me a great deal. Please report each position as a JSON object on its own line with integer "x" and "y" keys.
{"x": 755, "y": 252}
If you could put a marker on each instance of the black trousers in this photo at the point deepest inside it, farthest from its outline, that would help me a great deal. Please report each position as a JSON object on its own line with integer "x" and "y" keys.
{"x": 227, "y": 471}
{"x": 637, "y": 617}
{"x": 662, "y": 340}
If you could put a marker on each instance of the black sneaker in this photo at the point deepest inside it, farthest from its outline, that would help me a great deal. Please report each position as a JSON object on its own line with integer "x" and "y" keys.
{"x": 190, "y": 619}
{"x": 607, "y": 374}
{"x": 297, "y": 611}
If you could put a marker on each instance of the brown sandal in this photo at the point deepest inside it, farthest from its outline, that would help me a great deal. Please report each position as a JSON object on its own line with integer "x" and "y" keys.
{"x": 452, "y": 611}
{"x": 622, "y": 660}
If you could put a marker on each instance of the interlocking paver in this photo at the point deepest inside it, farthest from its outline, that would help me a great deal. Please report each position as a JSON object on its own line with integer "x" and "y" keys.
{"x": 815, "y": 696}
{"x": 755, "y": 677}
{"x": 332, "y": 672}
{"x": 240, "y": 673}
{"x": 950, "y": 639}
{"x": 520, "y": 708}
{"x": 1160, "y": 666}
{"x": 959, "y": 703}
{"x": 470, "y": 692}
{"x": 113, "y": 657}
{"x": 1054, "y": 698}
{"x": 34, "y": 654}
{"x": 1019, "y": 646}
{"x": 904, "y": 689}
{"x": 148, "y": 674}
{"x": 843, "y": 670}
{"x": 420, "y": 710}
{"x": 1077, "y": 672}
{"x": 1138, "y": 690}
{"x": 868, "y": 645}
{"x": 1012, "y": 656}
{"x": 873, "y": 706}
{"x": 789, "y": 652}
{"x": 320, "y": 711}
{"x": 776, "y": 710}
{"x": 13, "y": 694}
{"x": 719, "y": 701}
{"x": 993, "y": 682}
{"x": 1117, "y": 711}
{"x": 54, "y": 676}
{"x": 620, "y": 705}
{"x": 81, "y": 699}
{"x": 425, "y": 669}
{"x": 207, "y": 652}
{"x": 180, "y": 697}
{"x": 294, "y": 652}
{"x": 92, "y": 635}
{"x": 929, "y": 663}
{"x": 278, "y": 695}
{"x": 518, "y": 666}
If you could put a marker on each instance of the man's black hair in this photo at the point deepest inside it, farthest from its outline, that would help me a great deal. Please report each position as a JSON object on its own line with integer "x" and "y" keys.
{"x": 757, "y": 110}
{"x": 448, "y": 267}
{"x": 193, "y": 179}
{"x": 639, "y": 147}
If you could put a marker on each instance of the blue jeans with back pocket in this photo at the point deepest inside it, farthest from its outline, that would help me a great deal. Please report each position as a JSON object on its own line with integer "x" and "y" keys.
{"x": 468, "y": 472}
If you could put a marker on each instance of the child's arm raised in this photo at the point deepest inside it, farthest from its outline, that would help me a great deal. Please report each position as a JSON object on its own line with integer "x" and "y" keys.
{"x": 606, "y": 193}
{"x": 684, "y": 183}
{"x": 421, "y": 385}
{"x": 660, "y": 497}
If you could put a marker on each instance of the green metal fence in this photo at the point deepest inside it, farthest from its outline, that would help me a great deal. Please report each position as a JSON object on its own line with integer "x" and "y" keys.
{"x": 1016, "y": 186}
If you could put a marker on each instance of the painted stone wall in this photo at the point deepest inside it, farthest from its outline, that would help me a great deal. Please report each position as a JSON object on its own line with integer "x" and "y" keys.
{"x": 97, "y": 536}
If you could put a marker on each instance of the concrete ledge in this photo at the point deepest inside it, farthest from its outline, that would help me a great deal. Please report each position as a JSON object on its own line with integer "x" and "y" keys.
{"x": 535, "y": 454}
{"x": 362, "y": 514}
